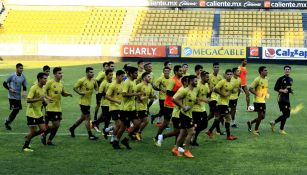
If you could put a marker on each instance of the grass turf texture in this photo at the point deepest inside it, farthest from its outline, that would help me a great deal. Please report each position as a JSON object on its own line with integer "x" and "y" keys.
{"x": 270, "y": 153}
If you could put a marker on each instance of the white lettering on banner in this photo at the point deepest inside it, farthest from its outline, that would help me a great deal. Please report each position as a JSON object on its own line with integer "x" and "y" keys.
{"x": 140, "y": 51}
{"x": 187, "y": 3}
{"x": 252, "y": 4}
{"x": 289, "y": 4}
{"x": 285, "y": 53}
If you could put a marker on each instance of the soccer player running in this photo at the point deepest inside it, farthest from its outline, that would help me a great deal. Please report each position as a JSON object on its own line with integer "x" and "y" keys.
{"x": 243, "y": 73}
{"x": 175, "y": 116}
{"x": 140, "y": 71}
{"x": 85, "y": 87}
{"x": 283, "y": 86}
{"x": 233, "y": 100}
{"x": 198, "y": 69}
{"x": 224, "y": 89}
{"x": 259, "y": 88}
{"x": 34, "y": 113}
{"x": 173, "y": 85}
{"x": 186, "y": 100}
{"x": 100, "y": 77}
{"x": 128, "y": 111}
{"x": 161, "y": 85}
{"x": 105, "y": 115}
{"x": 200, "y": 118}
{"x": 185, "y": 69}
{"x": 13, "y": 84}
{"x": 214, "y": 78}
{"x": 114, "y": 95}
{"x": 54, "y": 89}
{"x": 147, "y": 94}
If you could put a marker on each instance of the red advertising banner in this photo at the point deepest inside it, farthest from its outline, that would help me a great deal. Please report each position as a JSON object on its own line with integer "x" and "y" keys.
{"x": 143, "y": 51}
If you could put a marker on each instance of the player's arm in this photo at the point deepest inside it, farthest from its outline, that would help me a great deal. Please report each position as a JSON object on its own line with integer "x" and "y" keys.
{"x": 218, "y": 87}
{"x": 66, "y": 94}
{"x": 157, "y": 84}
{"x": 127, "y": 94}
{"x": 109, "y": 95}
{"x": 31, "y": 99}
{"x": 252, "y": 88}
{"x": 169, "y": 88}
{"x": 6, "y": 84}
{"x": 178, "y": 101}
{"x": 77, "y": 88}
{"x": 278, "y": 86}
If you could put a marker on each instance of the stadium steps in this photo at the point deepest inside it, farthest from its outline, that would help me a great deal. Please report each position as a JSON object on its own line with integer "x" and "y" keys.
{"x": 216, "y": 29}
{"x": 127, "y": 27}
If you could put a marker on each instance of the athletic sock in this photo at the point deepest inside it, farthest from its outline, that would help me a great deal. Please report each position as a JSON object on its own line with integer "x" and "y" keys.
{"x": 26, "y": 145}
{"x": 227, "y": 126}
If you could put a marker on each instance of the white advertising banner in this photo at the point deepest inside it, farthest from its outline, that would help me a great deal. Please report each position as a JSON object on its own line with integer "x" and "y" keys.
{"x": 284, "y": 53}
{"x": 69, "y": 50}
{"x": 11, "y": 49}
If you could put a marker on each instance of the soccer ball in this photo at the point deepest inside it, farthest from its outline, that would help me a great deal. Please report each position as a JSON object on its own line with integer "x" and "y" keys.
{"x": 251, "y": 108}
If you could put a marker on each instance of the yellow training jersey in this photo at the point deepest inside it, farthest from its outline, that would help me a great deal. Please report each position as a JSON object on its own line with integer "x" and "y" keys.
{"x": 147, "y": 92}
{"x": 176, "y": 109}
{"x": 189, "y": 99}
{"x": 34, "y": 110}
{"x": 54, "y": 90}
{"x": 103, "y": 89}
{"x": 236, "y": 83}
{"x": 201, "y": 92}
{"x": 128, "y": 103}
{"x": 139, "y": 78}
{"x": 261, "y": 87}
{"x": 101, "y": 76}
{"x": 162, "y": 83}
{"x": 213, "y": 80}
{"x": 224, "y": 87}
{"x": 115, "y": 92}
{"x": 86, "y": 86}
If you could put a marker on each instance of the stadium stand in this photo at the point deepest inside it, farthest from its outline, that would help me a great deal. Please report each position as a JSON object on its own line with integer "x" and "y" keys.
{"x": 258, "y": 28}
{"x": 172, "y": 27}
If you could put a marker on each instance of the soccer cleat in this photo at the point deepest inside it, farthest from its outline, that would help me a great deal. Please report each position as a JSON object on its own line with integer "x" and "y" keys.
{"x": 43, "y": 139}
{"x": 115, "y": 144}
{"x": 92, "y": 137}
{"x": 210, "y": 134}
{"x": 283, "y": 132}
{"x": 72, "y": 132}
{"x": 49, "y": 143}
{"x": 234, "y": 125}
{"x": 105, "y": 134}
{"x": 231, "y": 137}
{"x": 152, "y": 118}
{"x": 249, "y": 126}
{"x": 257, "y": 133}
{"x": 138, "y": 136}
{"x": 125, "y": 142}
{"x": 160, "y": 140}
{"x": 272, "y": 123}
{"x": 27, "y": 149}
{"x": 176, "y": 152}
{"x": 187, "y": 154}
{"x": 7, "y": 125}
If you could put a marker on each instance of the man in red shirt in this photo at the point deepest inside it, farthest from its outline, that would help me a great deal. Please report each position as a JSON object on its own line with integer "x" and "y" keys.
{"x": 243, "y": 73}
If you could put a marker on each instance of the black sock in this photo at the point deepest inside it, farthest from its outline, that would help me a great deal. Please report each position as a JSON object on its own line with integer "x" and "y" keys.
{"x": 215, "y": 123}
{"x": 26, "y": 145}
{"x": 90, "y": 133}
{"x": 13, "y": 115}
{"x": 254, "y": 121}
{"x": 53, "y": 133}
{"x": 282, "y": 123}
{"x": 48, "y": 130}
{"x": 257, "y": 124}
{"x": 279, "y": 119}
{"x": 227, "y": 126}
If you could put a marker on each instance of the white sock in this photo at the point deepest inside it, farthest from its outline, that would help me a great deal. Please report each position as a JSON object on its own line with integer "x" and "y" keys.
{"x": 108, "y": 129}
{"x": 112, "y": 138}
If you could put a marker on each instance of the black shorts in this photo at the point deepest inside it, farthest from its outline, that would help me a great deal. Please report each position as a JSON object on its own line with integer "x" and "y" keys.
{"x": 167, "y": 113}
{"x": 200, "y": 118}
{"x": 185, "y": 121}
{"x": 233, "y": 103}
{"x": 53, "y": 116}
{"x": 85, "y": 109}
{"x": 127, "y": 116}
{"x": 176, "y": 122}
{"x": 105, "y": 111}
{"x": 115, "y": 114}
{"x": 35, "y": 121}
{"x": 15, "y": 104}
{"x": 98, "y": 98}
{"x": 212, "y": 106}
{"x": 284, "y": 106}
{"x": 260, "y": 107}
{"x": 142, "y": 114}
{"x": 161, "y": 104}
{"x": 223, "y": 109}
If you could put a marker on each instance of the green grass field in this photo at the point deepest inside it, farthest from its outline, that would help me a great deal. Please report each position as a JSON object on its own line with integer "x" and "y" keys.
{"x": 270, "y": 153}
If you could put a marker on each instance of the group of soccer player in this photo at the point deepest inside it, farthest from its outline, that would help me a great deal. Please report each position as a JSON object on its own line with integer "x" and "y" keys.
{"x": 125, "y": 96}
